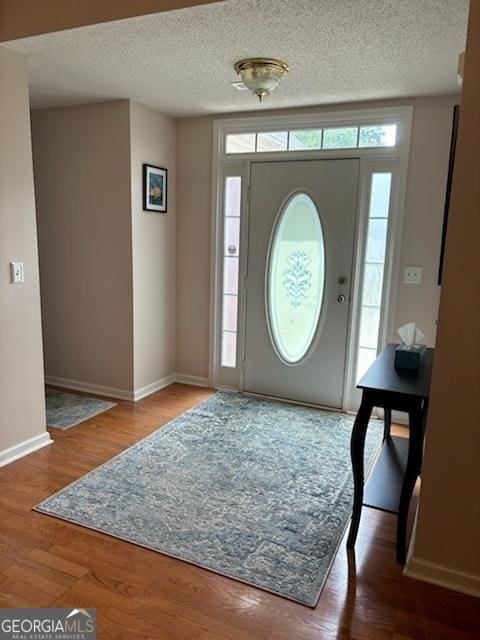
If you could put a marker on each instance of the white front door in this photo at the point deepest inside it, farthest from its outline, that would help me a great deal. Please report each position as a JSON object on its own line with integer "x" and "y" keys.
{"x": 300, "y": 254}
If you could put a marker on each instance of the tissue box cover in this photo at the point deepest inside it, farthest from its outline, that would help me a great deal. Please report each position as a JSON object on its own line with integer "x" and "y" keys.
{"x": 410, "y": 358}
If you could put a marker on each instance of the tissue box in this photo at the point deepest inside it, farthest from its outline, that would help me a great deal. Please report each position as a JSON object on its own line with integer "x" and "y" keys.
{"x": 410, "y": 358}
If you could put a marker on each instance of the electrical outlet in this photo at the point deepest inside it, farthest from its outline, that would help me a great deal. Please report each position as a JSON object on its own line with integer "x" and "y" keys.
{"x": 16, "y": 273}
{"x": 413, "y": 275}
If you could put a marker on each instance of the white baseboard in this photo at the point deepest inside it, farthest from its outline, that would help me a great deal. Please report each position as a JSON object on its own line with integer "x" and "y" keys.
{"x": 400, "y": 417}
{"x": 123, "y": 394}
{"x": 155, "y": 386}
{"x": 443, "y": 576}
{"x": 24, "y": 448}
{"x": 195, "y": 381}
{"x": 87, "y": 387}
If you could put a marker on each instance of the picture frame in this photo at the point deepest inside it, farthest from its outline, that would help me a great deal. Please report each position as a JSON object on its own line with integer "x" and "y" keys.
{"x": 451, "y": 162}
{"x": 155, "y": 188}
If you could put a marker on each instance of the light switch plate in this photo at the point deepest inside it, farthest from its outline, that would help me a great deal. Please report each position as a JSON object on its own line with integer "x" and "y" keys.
{"x": 16, "y": 273}
{"x": 413, "y": 275}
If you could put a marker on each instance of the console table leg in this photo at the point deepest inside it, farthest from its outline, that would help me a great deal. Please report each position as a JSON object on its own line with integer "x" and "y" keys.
{"x": 387, "y": 423}
{"x": 412, "y": 471}
{"x": 357, "y": 450}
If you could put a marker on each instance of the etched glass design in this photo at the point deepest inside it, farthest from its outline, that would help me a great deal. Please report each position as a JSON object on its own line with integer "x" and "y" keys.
{"x": 295, "y": 278}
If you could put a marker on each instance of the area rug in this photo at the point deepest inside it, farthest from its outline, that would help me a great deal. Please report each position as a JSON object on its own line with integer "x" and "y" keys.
{"x": 65, "y": 410}
{"x": 255, "y": 490}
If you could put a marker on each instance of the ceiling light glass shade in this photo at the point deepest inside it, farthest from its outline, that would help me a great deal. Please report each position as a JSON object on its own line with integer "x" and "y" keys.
{"x": 261, "y": 75}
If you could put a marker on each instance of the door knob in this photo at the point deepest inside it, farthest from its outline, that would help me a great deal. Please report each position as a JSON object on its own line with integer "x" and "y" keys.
{"x": 341, "y": 299}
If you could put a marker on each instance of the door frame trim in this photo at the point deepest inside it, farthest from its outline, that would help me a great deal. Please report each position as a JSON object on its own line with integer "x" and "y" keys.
{"x": 239, "y": 164}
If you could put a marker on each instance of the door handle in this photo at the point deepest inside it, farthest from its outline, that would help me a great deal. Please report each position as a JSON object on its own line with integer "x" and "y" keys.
{"x": 341, "y": 299}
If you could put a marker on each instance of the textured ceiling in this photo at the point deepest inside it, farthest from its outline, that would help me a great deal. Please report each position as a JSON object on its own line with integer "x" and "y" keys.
{"x": 181, "y": 62}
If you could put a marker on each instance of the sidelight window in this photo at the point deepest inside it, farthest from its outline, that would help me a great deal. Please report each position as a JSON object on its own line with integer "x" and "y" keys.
{"x": 231, "y": 245}
{"x": 373, "y": 271}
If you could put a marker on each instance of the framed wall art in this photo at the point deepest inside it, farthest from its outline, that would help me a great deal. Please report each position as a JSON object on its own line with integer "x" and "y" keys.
{"x": 154, "y": 188}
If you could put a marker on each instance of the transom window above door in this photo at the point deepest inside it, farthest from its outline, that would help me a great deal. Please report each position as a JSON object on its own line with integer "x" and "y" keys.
{"x": 314, "y": 139}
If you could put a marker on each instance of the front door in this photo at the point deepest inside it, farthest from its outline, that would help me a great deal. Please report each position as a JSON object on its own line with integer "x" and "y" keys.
{"x": 300, "y": 253}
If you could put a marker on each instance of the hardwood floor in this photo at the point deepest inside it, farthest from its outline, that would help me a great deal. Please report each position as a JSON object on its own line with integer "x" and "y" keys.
{"x": 140, "y": 594}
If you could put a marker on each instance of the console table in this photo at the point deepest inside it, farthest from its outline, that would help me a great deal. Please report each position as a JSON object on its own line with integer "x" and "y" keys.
{"x": 392, "y": 480}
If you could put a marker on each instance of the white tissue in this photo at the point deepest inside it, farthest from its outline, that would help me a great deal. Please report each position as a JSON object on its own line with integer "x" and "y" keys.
{"x": 410, "y": 334}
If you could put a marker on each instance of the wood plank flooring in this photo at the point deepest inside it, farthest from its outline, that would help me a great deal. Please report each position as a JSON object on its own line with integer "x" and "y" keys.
{"x": 140, "y": 594}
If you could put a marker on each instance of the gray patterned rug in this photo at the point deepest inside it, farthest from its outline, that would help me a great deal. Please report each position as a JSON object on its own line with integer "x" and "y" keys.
{"x": 65, "y": 410}
{"x": 255, "y": 490}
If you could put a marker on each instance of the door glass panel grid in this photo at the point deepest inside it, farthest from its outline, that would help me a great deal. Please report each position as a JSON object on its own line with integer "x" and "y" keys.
{"x": 373, "y": 271}
{"x": 306, "y": 139}
{"x": 340, "y": 137}
{"x": 272, "y": 141}
{"x": 230, "y": 270}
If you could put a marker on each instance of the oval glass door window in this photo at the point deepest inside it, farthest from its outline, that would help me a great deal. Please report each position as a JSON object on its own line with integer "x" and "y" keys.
{"x": 295, "y": 278}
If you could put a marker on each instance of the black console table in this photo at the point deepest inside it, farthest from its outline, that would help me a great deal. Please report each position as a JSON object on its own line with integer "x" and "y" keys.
{"x": 393, "y": 478}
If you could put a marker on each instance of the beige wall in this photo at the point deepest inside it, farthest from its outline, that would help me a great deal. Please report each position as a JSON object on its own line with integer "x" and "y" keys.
{"x": 107, "y": 267}
{"x": 194, "y": 181}
{"x": 424, "y": 208}
{"x": 22, "y": 404}
{"x": 21, "y": 18}
{"x": 421, "y": 235}
{"x": 152, "y": 140}
{"x": 82, "y": 180}
{"x": 448, "y": 531}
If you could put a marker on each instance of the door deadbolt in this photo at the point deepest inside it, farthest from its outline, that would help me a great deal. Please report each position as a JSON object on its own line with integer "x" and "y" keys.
{"x": 342, "y": 280}
{"x": 341, "y": 299}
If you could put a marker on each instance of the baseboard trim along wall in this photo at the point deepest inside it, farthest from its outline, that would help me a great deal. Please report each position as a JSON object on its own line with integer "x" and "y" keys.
{"x": 123, "y": 394}
{"x": 194, "y": 381}
{"x": 24, "y": 448}
{"x": 87, "y": 387}
{"x": 155, "y": 386}
{"x": 443, "y": 576}
{"x": 400, "y": 417}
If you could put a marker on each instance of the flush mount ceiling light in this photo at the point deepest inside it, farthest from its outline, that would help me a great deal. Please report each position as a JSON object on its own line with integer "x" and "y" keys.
{"x": 261, "y": 75}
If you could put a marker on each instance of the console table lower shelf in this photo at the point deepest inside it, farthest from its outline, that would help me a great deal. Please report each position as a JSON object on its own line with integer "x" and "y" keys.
{"x": 384, "y": 485}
